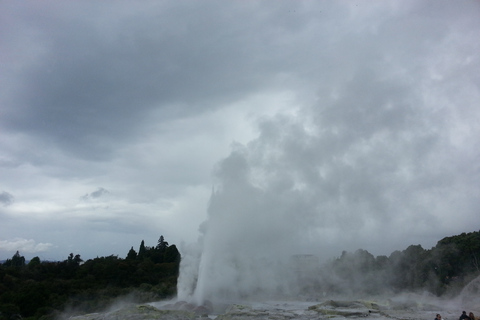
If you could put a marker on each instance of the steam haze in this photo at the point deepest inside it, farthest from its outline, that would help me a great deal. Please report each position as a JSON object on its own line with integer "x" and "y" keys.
{"x": 372, "y": 159}
{"x": 354, "y": 171}
{"x": 244, "y": 132}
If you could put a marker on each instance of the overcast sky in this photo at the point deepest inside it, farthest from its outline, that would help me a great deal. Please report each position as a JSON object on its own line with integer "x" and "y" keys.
{"x": 331, "y": 125}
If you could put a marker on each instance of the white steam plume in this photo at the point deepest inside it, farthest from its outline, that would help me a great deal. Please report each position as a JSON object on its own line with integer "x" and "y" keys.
{"x": 386, "y": 153}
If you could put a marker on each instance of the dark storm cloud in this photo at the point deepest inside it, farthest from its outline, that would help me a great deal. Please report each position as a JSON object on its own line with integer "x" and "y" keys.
{"x": 366, "y": 120}
{"x": 95, "y": 80}
{"x": 6, "y": 198}
{"x": 100, "y": 192}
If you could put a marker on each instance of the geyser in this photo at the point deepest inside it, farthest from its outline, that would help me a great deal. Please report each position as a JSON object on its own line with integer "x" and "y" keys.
{"x": 247, "y": 243}
{"x": 349, "y": 173}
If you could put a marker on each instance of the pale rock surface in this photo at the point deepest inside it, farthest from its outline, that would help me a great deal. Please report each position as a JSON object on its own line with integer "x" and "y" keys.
{"x": 405, "y": 309}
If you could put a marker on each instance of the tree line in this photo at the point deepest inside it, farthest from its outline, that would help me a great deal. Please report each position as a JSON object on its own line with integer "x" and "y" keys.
{"x": 43, "y": 289}
{"x": 444, "y": 269}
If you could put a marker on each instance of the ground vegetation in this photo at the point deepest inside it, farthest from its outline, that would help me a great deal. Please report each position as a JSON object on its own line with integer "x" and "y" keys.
{"x": 43, "y": 289}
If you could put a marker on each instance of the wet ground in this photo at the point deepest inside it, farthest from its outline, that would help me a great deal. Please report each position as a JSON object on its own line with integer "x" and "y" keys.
{"x": 404, "y": 308}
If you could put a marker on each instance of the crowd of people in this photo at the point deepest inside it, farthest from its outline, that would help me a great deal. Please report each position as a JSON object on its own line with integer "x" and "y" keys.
{"x": 463, "y": 316}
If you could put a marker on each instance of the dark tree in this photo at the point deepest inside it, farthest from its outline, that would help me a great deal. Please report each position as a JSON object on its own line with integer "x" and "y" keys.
{"x": 172, "y": 254}
{"x": 142, "y": 250}
{"x": 34, "y": 262}
{"x": 17, "y": 261}
{"x": 42, "y": 289}
{"x": 162, "y": 244}
{"x": 74, "y": 260}
{"x": 131, "y": 255}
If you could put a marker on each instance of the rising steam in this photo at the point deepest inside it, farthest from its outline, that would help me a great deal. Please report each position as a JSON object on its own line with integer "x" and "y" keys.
{"x": 341, "y": 176}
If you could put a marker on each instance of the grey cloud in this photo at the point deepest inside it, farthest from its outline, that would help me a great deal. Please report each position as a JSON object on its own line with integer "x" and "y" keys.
{"x": 368, "y": 165}
{"x": 24, "y": 245}
{"x": 95, "y": 83}
{"x": 100, "y": 192}
{"x": 6, "y": 198}
{"x": 382, "y": 101}
{"x": 7, "y": 163}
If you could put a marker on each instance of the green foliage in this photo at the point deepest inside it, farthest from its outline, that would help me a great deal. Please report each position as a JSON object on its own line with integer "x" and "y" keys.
{"x": 132, "y": 254}
{"x": 162, "y": 244}
{"x": 17, "y": 261}
{"x": 141, "y": 251}
{"x": 43, "y": 289}
{"x": 34, "y": 263}
{"x": 171, "y": 255}
{"x": 446, "y": 267}
{"x": 464, "y": 252}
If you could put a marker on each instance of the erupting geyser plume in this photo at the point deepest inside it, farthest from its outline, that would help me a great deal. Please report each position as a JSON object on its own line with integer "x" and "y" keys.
{"x": 342, "y": 175}
{"x": 245, "y": 249}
